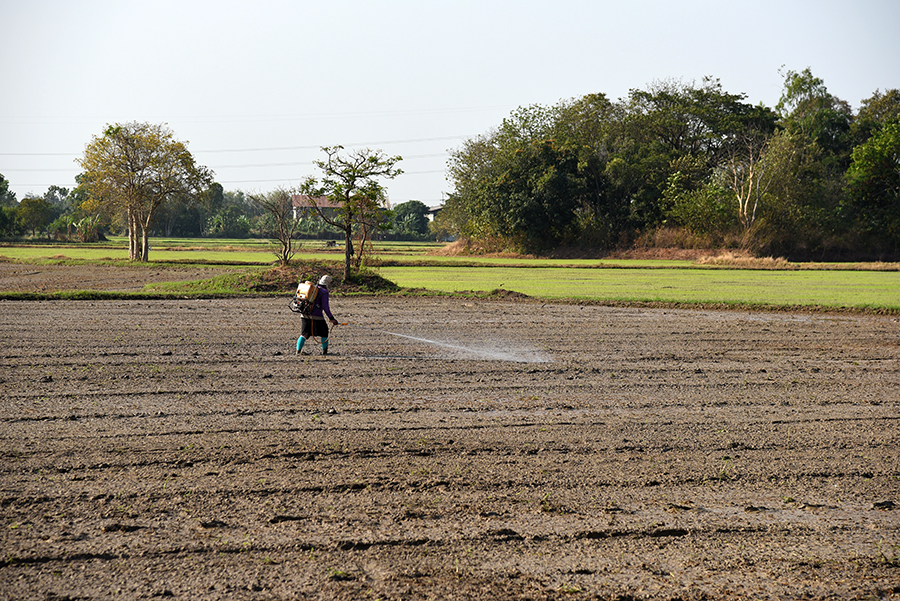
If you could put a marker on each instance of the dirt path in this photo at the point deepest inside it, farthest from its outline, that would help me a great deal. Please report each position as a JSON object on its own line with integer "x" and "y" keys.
{"x": 180, "y": 449}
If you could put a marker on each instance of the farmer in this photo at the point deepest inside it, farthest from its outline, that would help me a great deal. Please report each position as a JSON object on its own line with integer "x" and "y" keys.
{"x": 314, "y": 324}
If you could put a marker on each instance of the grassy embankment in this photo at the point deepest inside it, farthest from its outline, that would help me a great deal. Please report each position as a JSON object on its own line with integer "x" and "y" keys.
{"x": 247, "y": 267}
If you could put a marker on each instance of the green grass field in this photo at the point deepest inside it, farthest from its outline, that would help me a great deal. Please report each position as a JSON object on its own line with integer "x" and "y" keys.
{"x": 409, "y": 265}
{"x": 825, "y": 288}
{"x": 256, "y": 252}
{"x": 203, "y": 251}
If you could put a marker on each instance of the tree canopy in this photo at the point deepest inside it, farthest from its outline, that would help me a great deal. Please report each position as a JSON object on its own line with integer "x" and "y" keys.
{"x": 352, "y": 181}
{"x": 685, "y": 161}
{"x": 873, "y": 203}
{"x": 594, "y": 172}
{"x": 136, "y": 168}
{"x": 7, "y": 197}
{"x": 411, "y": 219}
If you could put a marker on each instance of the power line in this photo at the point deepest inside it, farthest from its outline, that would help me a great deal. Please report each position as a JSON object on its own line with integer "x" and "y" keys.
{"x": 296, "y": 163}
{"x": 258, "y": 181}
{"x": 269, "y": 149}
{"x": 40, "y": 170}
{"x": 36, "y": 154}
{"x": 351, "y": 145}
{"x": 241, "y": 166}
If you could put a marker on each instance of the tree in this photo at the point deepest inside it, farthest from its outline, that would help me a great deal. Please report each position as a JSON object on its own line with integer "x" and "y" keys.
{"x": 441, "y": 227}
{"x": 137, "y": 167}
{"x": 351, "y": 181}
{"x": 874, "y": 112}
{"x": 707, "y": 211}
{"x": 536, "y": 195}
{"x": 750, "y": 171}
{"x": 279, "y": 205}
{"x": 187, "y": 214}
{"x": 61, "y": 209}
{"x": 802, "y": 218}
{"x": 522, "y": 186}
{"x": 9, "y": 221}
{"x": 874, "y": 185}
{"x": 411, "y": 219}
{"x": 7, "y": 197}
{"x": 808, "y": 109}
{"x": 470, "y": 169}
{"x": 686, "y": 128}
{"x": 85, "y": 221}
{"x": 797, "y": 211}
{"x": 35, "y": 213}
{"x": 592, "y": 128}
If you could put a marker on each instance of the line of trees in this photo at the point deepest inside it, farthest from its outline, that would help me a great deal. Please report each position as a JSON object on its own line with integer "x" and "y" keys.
{"x": 676, "y": 164}
{"x": 139, "y": 177}
{"x": 689, "y": 165}
{"x": 77, "y": 215}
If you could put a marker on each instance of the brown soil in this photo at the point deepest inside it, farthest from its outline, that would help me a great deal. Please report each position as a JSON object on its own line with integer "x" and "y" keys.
{"x": 180, "y": 449}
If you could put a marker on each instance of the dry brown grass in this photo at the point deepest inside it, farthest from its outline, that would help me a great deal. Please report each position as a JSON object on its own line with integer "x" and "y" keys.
{"x": 742, "y": 261}
{"x": 710, "y": 257}
{"x": 477, "y": 248}
{"x": 746, "y": 261}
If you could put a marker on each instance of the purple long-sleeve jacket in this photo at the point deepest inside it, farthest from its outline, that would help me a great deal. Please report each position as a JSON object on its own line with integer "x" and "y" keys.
{"x": 322, "y": 305}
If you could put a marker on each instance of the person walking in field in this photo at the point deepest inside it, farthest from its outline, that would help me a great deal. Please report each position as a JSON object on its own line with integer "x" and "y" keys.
{"x": 312, "y": 323}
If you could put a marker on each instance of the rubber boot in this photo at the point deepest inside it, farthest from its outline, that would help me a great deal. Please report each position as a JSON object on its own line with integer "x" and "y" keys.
{"x": 300, "y": 342}
{"x": 324, "y": 346}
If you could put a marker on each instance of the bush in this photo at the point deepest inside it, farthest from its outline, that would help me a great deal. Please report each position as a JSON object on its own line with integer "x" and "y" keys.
{"x": 707, "y": 211}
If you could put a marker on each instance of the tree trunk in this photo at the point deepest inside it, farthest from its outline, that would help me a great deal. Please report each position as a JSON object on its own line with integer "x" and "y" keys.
{"x": 348, "y": 251}
{"x": 136, "y": 249}
{"x": 132, "y": 235}
{"x": 145, "y": 246}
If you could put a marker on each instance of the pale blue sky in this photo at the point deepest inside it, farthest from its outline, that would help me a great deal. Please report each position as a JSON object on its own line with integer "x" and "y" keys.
{"x": 257, "y": 87}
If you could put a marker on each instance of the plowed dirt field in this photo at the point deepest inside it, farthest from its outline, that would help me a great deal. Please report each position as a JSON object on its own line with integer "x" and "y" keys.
{"x": 446, "y": 449}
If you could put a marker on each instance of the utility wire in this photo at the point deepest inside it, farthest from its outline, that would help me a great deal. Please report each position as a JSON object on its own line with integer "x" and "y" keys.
{"x": 269, "y": 149}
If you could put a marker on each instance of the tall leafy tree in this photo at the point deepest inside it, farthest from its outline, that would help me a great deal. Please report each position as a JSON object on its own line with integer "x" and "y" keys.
{"x": 188, "y": 214}
{"x": 411, "y": 218}
{"x": 137, "y": 167}
{"x": 754, "y": 158}
{"x": 8, "y": 209}
{"x": 35, "y": 213}
{"x": 874, "y": 188}
{"x": 807, "y": 108}
{"x": 535, "y": 196}
{"x": 591, "y": 128}
{"x": 803, "y": 220}
{"x": 522, "y": 186}
{"x": 874, "y": 112}
{"x": 471, "y": 168}
{"x": 352, "y": 180}
{"x": 685, "y": 128}
{"x": 8, "y": 221}
{"x": 7, "y": 196}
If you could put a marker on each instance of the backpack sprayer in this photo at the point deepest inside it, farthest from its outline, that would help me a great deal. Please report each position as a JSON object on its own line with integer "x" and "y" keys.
{"x": 304, "y": 301}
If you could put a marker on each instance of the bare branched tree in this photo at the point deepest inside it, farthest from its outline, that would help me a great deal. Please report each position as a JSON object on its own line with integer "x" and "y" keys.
{"x": 279, "y": 204}
{"x": 753, "y": 165}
